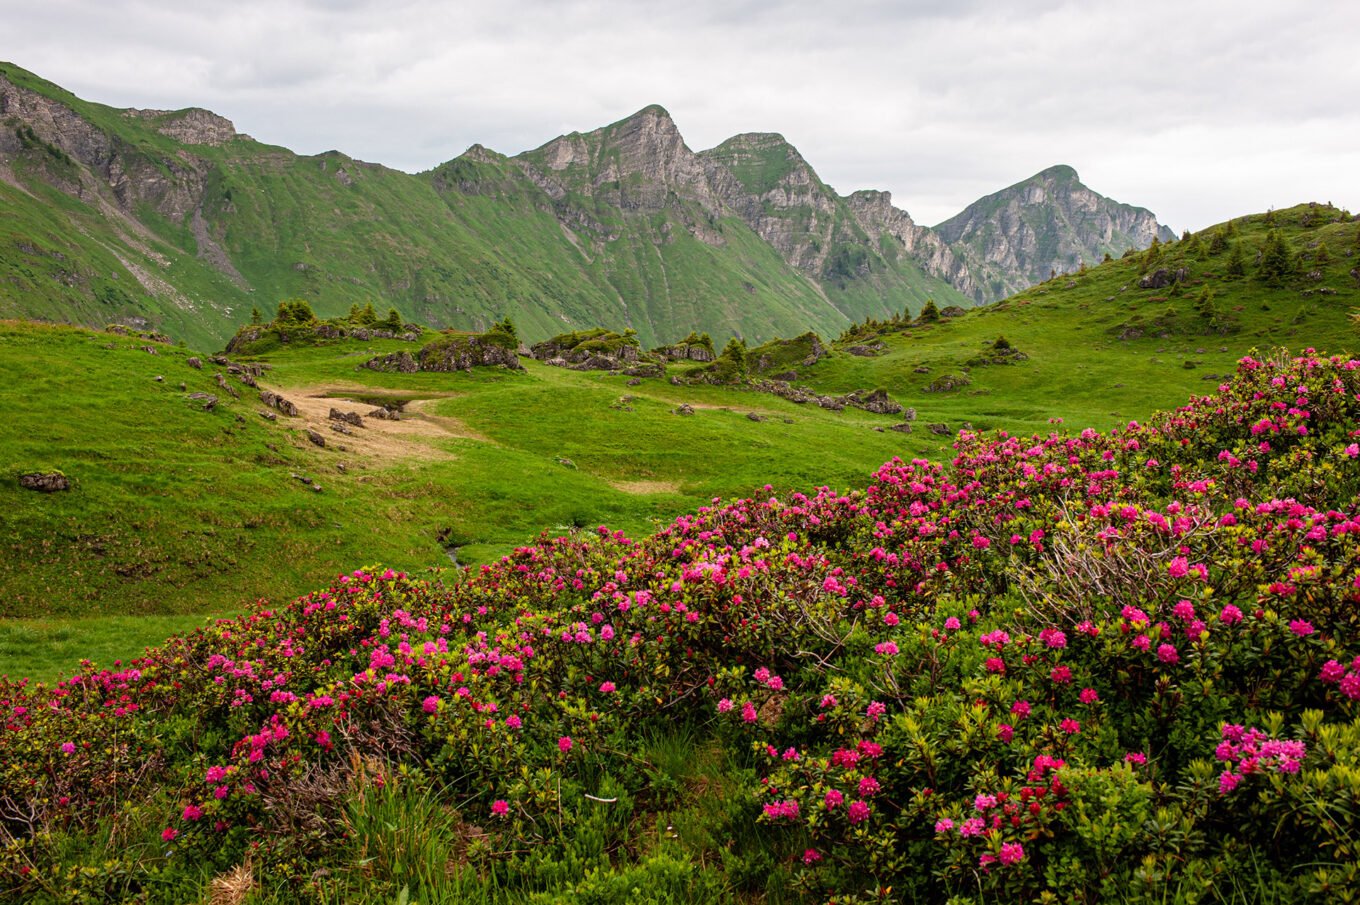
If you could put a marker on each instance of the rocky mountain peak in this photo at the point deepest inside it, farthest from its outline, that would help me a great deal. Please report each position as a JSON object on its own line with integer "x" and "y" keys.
{"x": 1047, "y": 223}
{"x": 193, "y": 126}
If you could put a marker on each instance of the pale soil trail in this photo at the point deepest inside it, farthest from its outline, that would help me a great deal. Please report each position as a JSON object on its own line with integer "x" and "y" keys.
{"x": 414, "y": 436}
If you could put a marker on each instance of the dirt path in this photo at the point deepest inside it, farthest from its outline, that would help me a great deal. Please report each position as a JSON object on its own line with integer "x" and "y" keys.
{"x": 414, "y": 436}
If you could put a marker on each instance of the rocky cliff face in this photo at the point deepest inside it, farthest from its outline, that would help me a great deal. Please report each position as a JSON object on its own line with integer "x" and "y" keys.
{"x": 876, "y": 215}
{"x": 194, "y": 126}
{"x": 768, "y": 184}
{"x": 1048, "y": 223}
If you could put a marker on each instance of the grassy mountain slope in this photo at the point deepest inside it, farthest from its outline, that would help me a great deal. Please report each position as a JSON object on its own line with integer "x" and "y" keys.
{"x": 172, "y": 220}
{"x": 181, "y": 511}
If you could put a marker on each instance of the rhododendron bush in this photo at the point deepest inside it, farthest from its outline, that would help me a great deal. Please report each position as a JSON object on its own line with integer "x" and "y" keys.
{"x": 1090, "y": 666}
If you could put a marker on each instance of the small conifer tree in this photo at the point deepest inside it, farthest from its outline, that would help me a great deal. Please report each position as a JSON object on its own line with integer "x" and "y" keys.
{"x": 255, "y": 316}
{"x": 1237, "y": 264}
{"x": 929, "y": 312}
{"x": 1276, "y": 262}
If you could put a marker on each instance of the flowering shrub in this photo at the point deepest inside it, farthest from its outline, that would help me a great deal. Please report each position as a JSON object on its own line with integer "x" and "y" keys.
{"x": 1029, "y": 672}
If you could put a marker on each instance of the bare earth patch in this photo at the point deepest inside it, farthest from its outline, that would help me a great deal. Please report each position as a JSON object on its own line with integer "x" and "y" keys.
{"x": 643, "y": 488}
{"x": 414, "y": 436}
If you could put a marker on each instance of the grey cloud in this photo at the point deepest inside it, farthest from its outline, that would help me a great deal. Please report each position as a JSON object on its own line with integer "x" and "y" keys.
{"x": 1199, "y": 111}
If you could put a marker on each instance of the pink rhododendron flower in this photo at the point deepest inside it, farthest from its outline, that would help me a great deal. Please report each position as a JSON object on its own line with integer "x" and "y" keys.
{"x": 811, "y": 856}
{"x": 430, "y": 704}
{"x": 564, "y": 743}
{"x": 1230, "y": 615}
{"x": 833, "y": 799}
{"x": 1089, "y": 696}
{"x": 500, "y": 807}
{"x": 858, "y": 812}
{"x": 1301, "y": 628}
{"x": 725, "y": 705}
{"x": 1168, "y": 654}
{"x": 607, "y": 687}
{"x": 68, "y": 747}
{"x": 1011, "y": 853}
{"x": 169, "y": 833}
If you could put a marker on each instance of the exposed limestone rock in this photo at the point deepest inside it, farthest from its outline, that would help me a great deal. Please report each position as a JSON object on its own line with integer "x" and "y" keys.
{"x": 1161, "y": 278}
{"x": 208, "y": 399}
{"x": 451, "y": 352}
{"x": 684, "y": 409}
{"x": 316, "y": 438}
{"x": 1050, "y": 222}
{"x": 192, "y": 127}
{"x": 939, "y": 428}
{"x": 45, "y": 481}
{"x": 947, "y": 383}
{"x": 275, "y": 401}
{"x": 194, "y": 363}
{"x": 347, "y": 417}
{"x": 876, "y": 215}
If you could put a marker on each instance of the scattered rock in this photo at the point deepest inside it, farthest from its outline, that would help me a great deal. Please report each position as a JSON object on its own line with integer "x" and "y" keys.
{"x": 938, "y": 427}
{"x": 684, "y": 409}
{"x": 208, "y": 399}
{"x": 903, "y": 428}
{"x": 952, "y": 311}
{"x": 754, "y": 416}
{"x": 1161, "y": 278}
{"x": 383, "y": 413}
{"x": 275, "y": 401}
{"x": 222, "y": 384}
{"x": 45, "y": 481}
{"x": 868, "y": 351}
{"x": 347, "y": 417}
{"x": 635, "y": 381}
{"x": 909, "y": 414}
{"x": 878, "y": 402}
{"x": 947, "y": 383}
{"x": 340, "y": 428}
{"x": 150, "y": 350}
{"x": 878, "y": 429}
{"x": 316, "y": 438}
{"x": 195, "y": 363}
{"x": 183, "y": 387}
{"x": 160, "y": 379}
{"x": 920, "y": 369}
{"x": 269, "y": 416}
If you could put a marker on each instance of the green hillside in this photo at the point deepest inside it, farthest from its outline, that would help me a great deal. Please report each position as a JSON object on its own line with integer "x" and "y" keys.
{"x": 178, "y": 511}
{"x": 170, "y": 220}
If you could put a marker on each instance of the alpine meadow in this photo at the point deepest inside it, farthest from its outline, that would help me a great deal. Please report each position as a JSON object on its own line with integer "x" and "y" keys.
{"x": 613, "y": 522}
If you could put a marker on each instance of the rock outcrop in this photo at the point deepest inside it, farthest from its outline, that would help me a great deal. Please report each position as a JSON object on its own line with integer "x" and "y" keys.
{"x": 451, "y": 352}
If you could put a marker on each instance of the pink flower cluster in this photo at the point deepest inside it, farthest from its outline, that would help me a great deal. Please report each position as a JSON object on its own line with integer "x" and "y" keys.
{"x": 1247, "y": 751}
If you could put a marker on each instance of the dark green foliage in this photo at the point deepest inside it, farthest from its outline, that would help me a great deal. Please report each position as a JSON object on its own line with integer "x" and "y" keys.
{"x": 1237, "y": 262}
{"x": 930, "y": 313}
{"x": 1219, "y": 243}
{"x": 1277, "y": 263}
{"x": 255, "y": 316}
{"x": 295, "y": 313}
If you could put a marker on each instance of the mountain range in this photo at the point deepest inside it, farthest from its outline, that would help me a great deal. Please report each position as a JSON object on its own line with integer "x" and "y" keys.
{"x": 173, "y": 220}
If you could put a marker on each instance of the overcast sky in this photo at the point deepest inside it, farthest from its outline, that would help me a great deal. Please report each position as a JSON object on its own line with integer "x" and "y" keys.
{"x": 1199, "y": 111}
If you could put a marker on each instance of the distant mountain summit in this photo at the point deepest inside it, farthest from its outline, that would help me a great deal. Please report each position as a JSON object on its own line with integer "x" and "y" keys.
{"x": 1049, "y": 222}
{"x": 173, "y": 220}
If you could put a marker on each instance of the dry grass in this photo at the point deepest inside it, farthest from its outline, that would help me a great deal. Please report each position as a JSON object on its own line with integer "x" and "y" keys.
{"x": 233, "y": 887}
